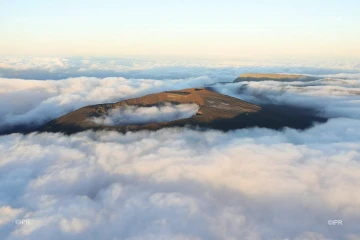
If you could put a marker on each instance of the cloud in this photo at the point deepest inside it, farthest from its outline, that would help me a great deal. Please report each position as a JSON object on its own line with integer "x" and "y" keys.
{"x": 142, "y": 115}
{"x": 184, "y": 184}
{"x": 8, "y": 214}
{"x": 332, "y": 96}
{"x": 42, "y": 68}
{"x": 33, "y": 102}
{"x": 24, "y": 63}
{"x": 177, "y": 183}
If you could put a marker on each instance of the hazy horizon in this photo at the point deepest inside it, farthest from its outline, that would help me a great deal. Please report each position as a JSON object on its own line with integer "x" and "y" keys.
{"x": 190, "y": 29}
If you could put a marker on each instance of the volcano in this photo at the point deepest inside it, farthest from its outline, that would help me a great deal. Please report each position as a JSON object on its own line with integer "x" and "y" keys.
{"x": 216, "y": 111}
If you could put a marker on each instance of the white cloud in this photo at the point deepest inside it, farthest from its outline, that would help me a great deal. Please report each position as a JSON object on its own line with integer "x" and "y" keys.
{"x": 218, "y": 70}
{"x": 8, "y": 214}
{"x": 126, "y": 64}
{"x": 24, "y": 63}
{"x": 179, "y": 183}
{"x": 74, "y": 225}
{"x": 333, "y": 97}
{"x": 142, "y": 115}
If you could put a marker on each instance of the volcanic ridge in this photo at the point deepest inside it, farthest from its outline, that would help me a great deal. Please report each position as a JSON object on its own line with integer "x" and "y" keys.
{"x": 216, "y": 111}
{"x": 273, "y": 77}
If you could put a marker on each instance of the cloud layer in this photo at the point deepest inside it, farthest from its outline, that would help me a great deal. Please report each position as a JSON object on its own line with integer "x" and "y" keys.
{"x": 142, "y": 115}
{"x": 45, "y": 68}
{"x": 183, "y": 184}
{"x": 177, "y": 183}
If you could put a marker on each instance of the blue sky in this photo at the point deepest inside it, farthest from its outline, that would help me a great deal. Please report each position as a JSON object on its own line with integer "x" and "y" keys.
{"x": 197, "y": 28}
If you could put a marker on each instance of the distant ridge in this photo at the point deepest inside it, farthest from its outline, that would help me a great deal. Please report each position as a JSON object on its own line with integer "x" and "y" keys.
{"x": 273, "y": 77}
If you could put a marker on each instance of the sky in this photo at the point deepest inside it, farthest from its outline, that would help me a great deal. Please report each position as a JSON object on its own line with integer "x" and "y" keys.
{"x": 228, "y": 29}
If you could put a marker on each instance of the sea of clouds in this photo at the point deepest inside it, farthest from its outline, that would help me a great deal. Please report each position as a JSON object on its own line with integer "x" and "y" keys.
{"x": 177, "y": 183}
{"x": 141, "y": 115}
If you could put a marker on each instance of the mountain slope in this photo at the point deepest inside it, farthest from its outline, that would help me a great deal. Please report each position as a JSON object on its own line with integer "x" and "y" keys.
{"x": 273, "y": 77}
